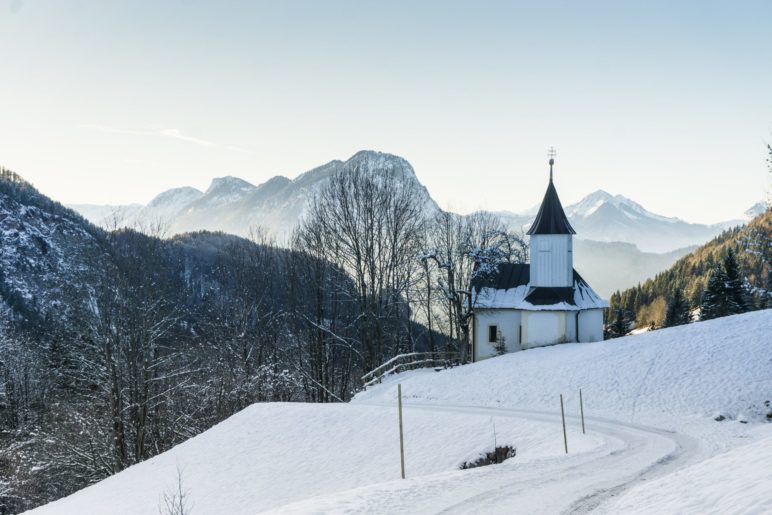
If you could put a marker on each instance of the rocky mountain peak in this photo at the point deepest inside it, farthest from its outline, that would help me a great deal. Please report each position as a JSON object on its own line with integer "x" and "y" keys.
{"x": 185, "y": 193}
{"x": 229, "y": 184}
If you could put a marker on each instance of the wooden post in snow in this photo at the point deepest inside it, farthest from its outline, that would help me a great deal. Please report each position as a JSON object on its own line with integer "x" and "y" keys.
{"x": 581, "y": 409}
{"x": 401, "y": 437}
{"x": 563, "y": 416}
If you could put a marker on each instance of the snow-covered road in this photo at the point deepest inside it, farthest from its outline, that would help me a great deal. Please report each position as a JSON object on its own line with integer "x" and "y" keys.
{"x": 576, "y": 483}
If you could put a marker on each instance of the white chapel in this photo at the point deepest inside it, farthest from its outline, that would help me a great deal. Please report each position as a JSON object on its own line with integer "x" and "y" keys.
{"x": 546, "y": 302}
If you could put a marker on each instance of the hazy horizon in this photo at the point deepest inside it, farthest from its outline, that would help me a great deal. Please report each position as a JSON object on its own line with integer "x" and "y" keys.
{"x": 566, "y": 199}
{"x": 669, "y": 105}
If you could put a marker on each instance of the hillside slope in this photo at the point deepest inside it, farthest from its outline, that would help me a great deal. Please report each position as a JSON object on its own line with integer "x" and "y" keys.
{"x": 751, "y": 243}
{"x": 744, "y": 486}
{"x": 344, "y": 457}
{"x": 660, "y": 378}
{"x": 50, "y": 257}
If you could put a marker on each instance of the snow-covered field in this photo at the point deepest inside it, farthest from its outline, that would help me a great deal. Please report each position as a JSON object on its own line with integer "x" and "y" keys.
{"x": 738, "y": 481}
{"x": 652, "y": 444}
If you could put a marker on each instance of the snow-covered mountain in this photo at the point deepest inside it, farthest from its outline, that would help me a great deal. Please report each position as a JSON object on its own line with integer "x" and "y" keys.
{"x": 605, "y": 217}
{"x": 164, "y": 207}
{"x": 649, "y": 242}
{"x": 661, "y": 408}
{"x": 50, "y": 257}
{"x": 235, "y": 206}
{"x": 756, "y": 210}
{"x": 106, "y": 215}
{"x": 601, "y": 216}
{"x": 600, "y": 199}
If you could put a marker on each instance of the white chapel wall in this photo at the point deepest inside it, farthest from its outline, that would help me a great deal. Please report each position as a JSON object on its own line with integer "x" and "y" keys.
{"x": 591, "y": 325}
{"x": 571, "y": 325}
{"x": 507, "y": 322}
{"x": 544, "y": 328}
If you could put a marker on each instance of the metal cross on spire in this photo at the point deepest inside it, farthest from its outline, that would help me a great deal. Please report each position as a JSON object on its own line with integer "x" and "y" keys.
{"x": 551, "y": 154}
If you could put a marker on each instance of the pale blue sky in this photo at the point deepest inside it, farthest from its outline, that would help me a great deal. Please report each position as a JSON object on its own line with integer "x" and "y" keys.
{"x": 669, "y": 103}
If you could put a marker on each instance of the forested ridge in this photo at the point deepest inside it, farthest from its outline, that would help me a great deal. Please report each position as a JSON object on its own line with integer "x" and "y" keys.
{"x": 750, "y": 247}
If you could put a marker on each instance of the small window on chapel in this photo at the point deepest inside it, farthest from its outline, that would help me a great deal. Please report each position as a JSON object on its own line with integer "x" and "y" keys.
{"x": 493, "y": 333}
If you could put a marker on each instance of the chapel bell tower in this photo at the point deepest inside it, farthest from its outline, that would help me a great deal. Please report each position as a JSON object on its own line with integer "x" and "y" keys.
{"x": 552, "y": 257}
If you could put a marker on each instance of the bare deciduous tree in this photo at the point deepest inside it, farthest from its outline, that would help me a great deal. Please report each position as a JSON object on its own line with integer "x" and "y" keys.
{"x": 460, "y": 248}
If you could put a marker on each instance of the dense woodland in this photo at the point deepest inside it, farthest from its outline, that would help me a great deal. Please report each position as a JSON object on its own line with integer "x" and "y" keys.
{"x": 733, "y": 269}
{"x": 117, "y": 345}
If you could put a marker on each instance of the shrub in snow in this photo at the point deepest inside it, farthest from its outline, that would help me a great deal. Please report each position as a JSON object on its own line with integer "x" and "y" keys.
{"x": 501, "y": 453}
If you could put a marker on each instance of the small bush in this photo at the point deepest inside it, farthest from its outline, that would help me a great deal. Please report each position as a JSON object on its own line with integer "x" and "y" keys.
{"x": 498, "y": 455}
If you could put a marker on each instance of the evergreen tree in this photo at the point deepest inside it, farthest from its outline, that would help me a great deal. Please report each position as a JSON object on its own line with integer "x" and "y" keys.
{"x": 714, "y": 297}
{"x": 766, "y": 293}
{"x": 619, "y": 327}
{"x": 735, "y": 301}
{"x": 677, "y": 310}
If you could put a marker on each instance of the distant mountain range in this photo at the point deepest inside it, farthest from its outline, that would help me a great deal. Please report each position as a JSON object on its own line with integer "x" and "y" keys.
{"x": 601, "y": 216}
{"x": 235, "y": 206}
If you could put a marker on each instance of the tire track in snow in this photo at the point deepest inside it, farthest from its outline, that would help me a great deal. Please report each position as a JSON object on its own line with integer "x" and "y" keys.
{"x": 642, "y": 384}
{"x": 684, "y": 448}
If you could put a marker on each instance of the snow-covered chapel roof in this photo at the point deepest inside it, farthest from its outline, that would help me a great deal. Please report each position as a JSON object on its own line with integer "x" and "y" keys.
{"x": 509, "y": 288}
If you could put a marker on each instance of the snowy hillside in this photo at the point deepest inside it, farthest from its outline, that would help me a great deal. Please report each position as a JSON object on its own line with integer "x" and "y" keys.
{"x": 721, "y": 366}
{"x": 738, "y": 481}
{"x": 50, "y": 257}
{"x": 650, "y": 402}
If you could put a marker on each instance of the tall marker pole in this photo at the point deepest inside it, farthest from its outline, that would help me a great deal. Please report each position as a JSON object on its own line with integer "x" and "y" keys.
{"x": 563, "y": 416}
{"x": 581, "y": 408}
{"x": 401, "y": 438}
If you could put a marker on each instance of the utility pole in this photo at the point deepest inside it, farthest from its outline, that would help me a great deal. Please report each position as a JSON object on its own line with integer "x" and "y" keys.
{"x": 563, "y": 416}
{"x": 401, "y": 437}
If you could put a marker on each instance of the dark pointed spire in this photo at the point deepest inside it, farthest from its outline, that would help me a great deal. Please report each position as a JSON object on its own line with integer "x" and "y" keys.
{"x": 551, "y": 219}
{"x": 551, "y": 153}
